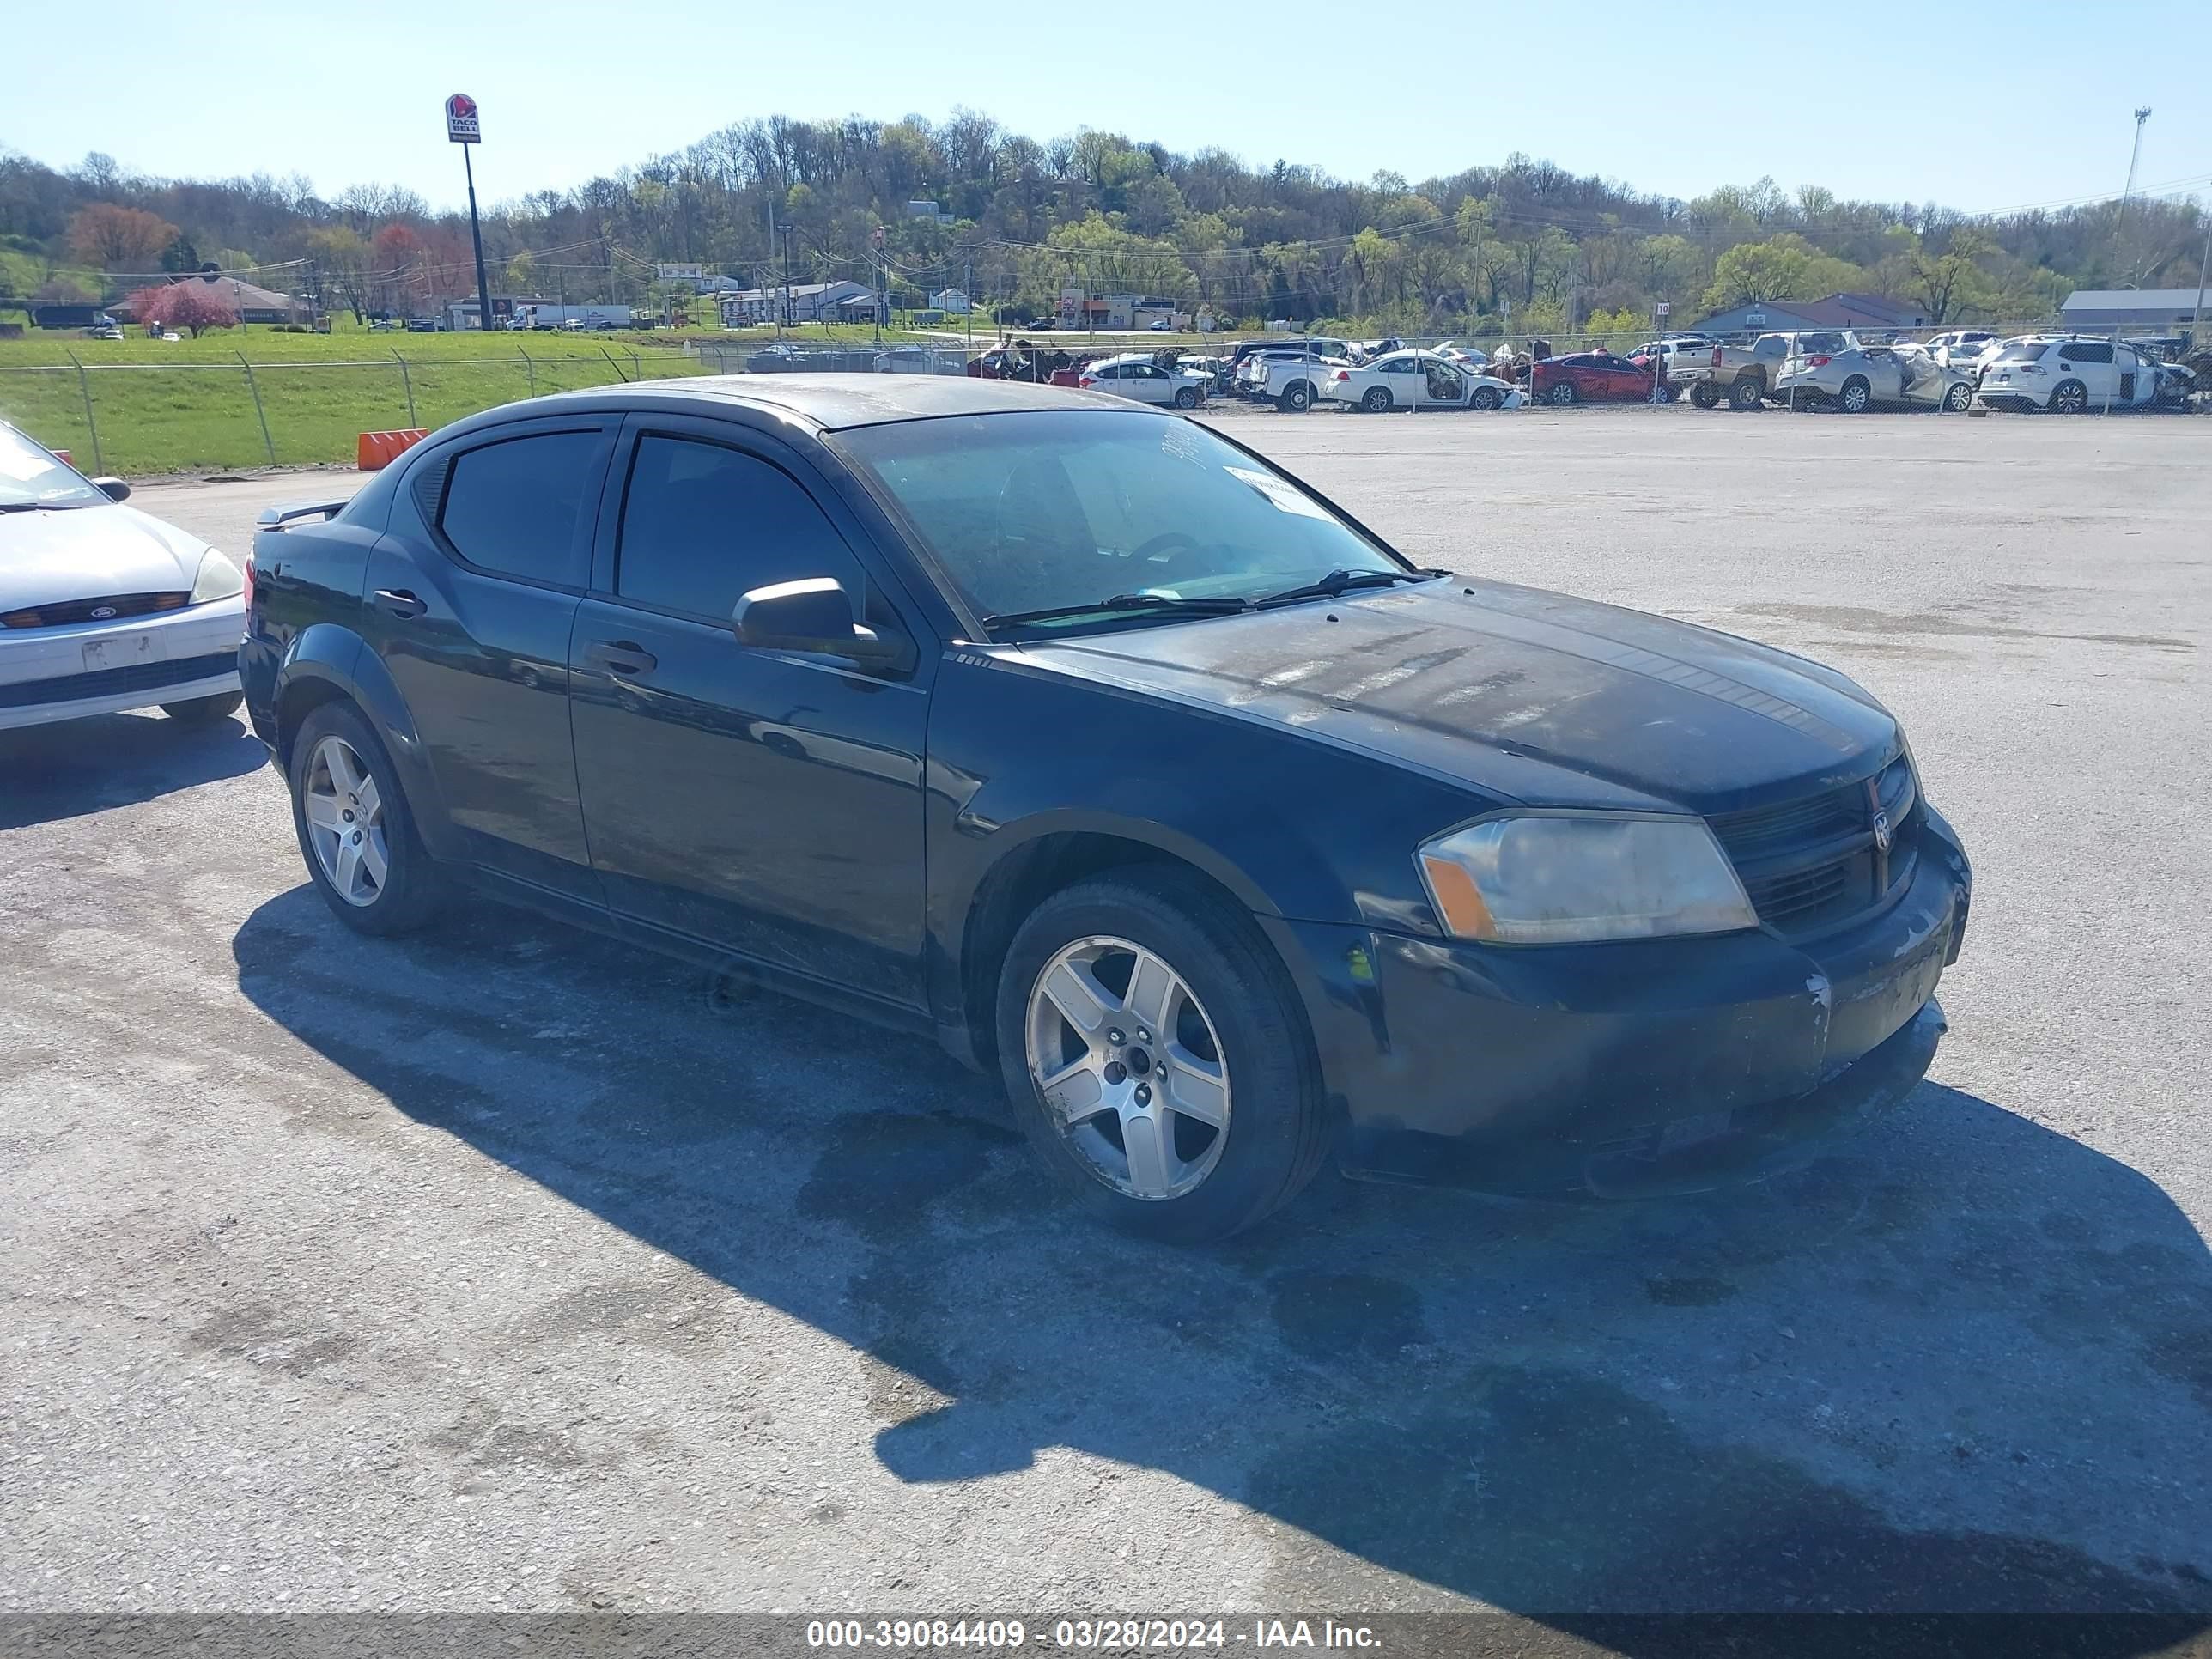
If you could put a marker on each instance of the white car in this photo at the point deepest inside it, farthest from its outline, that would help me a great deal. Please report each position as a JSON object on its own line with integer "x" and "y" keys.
{"x": 1137, "y": 375}
{"x": 1415, "y": 379}
{"x": 2068, "y": 375}
{"x": 1962, "y": 347}
{"x": 103, "y": 608}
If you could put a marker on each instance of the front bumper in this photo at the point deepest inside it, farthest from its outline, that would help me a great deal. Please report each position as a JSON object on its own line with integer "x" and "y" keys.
{"x": 108, "y": 667}
{"x": 1634, "y": 1067}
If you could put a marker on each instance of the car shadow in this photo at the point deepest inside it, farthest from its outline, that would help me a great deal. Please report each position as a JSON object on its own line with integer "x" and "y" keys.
{"x": 1965, "y": 1365}
{"x": 70, "y": 768}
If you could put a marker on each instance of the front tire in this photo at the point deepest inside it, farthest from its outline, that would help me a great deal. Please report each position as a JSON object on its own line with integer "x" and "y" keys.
{"x": 1958, "y": 398}
{"x": 1186, "y": 396}
{"x": 355, "y": 828}
{"x": 1486, "y": 397}
{"x": 204, "y": 711}
{"x": 1157, "y": 1054}
{"x": 1705, "y": 395}
{"x": 1377, "y": 400}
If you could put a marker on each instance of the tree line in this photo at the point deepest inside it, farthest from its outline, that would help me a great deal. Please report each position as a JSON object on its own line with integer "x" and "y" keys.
{"x": 1521, "y": 245}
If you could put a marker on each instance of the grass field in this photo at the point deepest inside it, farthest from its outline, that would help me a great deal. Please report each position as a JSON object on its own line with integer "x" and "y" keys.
{"x": 188, "y": 405}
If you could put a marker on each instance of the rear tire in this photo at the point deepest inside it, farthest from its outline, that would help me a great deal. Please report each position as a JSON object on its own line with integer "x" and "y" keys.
{"x": 1273, "y": 1129}
{"x": 406, "y": 891}
{"x": 1296, "y": 399}
{"x": 204, "y": 711}
{"x": 1856, "y": 393}
{"x": 1377, "y": 400}
{"x": 1562, "y": 395}
{"x": 2070, "y": 398}
{"x": 1747, "y": 394}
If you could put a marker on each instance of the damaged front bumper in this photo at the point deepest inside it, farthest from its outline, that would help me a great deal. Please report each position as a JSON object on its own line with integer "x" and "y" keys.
{"x": 1637, "y": 1068}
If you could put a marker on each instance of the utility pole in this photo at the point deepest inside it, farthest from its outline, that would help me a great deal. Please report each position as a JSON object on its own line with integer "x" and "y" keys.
{"x": 2196, "y": 316}
{"x": 787, "y": 275}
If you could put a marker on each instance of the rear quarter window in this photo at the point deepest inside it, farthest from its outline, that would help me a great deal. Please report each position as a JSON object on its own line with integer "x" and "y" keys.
{"x": 516, "y": 508}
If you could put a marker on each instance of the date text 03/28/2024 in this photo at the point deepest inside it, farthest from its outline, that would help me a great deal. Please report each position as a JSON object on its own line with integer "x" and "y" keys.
{"x": 1079, "y": 1635}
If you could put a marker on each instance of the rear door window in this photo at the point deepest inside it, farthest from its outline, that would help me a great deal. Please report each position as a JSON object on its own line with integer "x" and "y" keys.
{"x": 2088, "y": 352}
{"x": 516, "y": 508}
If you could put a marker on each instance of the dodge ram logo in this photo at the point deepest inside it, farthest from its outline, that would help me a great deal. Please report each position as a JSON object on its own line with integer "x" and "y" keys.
{"x": 1882, "y": 835}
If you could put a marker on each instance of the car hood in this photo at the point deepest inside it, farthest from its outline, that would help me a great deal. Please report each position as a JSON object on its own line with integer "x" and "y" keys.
{"x": 1534, "y": 696}
{"x": 90, "y": 552}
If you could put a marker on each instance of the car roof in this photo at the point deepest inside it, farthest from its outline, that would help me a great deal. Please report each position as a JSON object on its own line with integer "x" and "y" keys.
{"x": 835, "y": 401}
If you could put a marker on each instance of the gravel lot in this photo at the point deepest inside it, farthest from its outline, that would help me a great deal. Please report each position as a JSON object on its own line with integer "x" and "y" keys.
{"x": 502, "y": 1268}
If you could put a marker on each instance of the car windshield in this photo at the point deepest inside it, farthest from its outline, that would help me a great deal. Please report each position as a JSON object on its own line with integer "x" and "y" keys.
{"x": 1067, "y": 508}
{"x": 31, "y": 478}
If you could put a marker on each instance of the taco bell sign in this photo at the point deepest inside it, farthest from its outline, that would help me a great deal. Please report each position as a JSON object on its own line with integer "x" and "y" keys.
{"x": 462, "y": 126}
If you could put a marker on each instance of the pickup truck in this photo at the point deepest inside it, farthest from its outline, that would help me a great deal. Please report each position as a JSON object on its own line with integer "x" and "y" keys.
{"x": 1745, "y": 376}
{"x": 1291, "y": 378}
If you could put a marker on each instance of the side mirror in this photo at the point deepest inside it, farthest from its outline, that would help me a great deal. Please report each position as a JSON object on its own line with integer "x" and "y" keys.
{"x": 814, "y": 614}
{"x": 114, "y": 489}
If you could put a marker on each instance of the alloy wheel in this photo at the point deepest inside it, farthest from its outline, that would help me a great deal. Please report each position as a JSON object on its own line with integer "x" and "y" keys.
{"x": 345, "y": 823}
{"x": 1129, "y": 1066}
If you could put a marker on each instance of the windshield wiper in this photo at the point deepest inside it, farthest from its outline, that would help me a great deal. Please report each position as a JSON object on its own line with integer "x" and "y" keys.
{"x": 40, "y": 506}
{"x": 1208, "y": 605}
{"x": 1341, "y": 582}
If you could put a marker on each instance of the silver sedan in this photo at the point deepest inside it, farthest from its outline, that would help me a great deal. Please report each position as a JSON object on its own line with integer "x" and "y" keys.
{"x": 1872, "y": 377}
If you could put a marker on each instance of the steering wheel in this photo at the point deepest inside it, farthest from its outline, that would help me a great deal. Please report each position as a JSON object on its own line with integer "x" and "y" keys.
{"x": 1177, "y": 540}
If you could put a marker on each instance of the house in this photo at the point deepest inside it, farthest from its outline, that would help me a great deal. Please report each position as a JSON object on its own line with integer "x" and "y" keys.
{"x": 252, "y": 303}
{"x": 2131, "y": 307}
{"x": 1874, "y": 312}
{"x": 928, "y": 210}
{"x": 950, "y": 300}
{"x": 861, "y": 307}
{"x": 802, "y": 302}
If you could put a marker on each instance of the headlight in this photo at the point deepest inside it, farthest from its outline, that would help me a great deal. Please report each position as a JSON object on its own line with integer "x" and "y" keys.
{"x": 1556, "y": 880}
{"x": 218, "y": 578}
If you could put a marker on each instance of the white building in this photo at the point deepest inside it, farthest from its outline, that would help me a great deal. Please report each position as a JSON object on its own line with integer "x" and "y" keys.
{"x": 802, "y": 302}
{"x": 951, "y": 301}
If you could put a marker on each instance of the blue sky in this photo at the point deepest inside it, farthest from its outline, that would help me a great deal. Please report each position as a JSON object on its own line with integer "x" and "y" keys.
{"x": 1979, "y": 105}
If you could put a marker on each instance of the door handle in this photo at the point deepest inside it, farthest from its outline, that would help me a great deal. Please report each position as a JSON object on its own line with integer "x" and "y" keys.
{"x": 399, "y": 602}
{"x": 620, "y": 657}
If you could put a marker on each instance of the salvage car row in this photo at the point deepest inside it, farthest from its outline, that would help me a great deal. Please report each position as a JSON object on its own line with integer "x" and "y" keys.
{"x": 1829, "y": 369}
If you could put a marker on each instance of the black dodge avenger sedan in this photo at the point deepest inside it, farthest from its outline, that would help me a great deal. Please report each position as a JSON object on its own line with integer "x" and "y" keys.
{"x": 1089, "y": 742}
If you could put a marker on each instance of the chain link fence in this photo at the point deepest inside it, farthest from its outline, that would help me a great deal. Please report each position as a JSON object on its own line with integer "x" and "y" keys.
{"x": 142, "y": 419}
{"x": 136, "y": 418}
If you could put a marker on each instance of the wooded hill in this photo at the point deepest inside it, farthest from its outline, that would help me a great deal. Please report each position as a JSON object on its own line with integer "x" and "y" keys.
{"x": 1018, "y": 219}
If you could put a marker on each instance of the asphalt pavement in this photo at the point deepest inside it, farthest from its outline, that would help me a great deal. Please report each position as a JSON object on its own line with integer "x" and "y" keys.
{"x": 502, "y": 1267}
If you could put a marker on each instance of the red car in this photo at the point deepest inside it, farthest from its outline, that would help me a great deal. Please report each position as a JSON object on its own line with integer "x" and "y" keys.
{"x": 1049, "y": 364}
{"x": 1594, "y": 377}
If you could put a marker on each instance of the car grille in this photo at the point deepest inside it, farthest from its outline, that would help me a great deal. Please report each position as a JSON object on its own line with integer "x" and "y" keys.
{"x": 113, "y": 682}
{"x": 1815, "y": 862}
{"x": 66, "y": 611}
